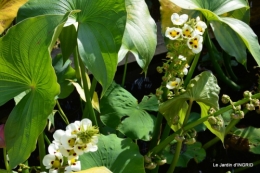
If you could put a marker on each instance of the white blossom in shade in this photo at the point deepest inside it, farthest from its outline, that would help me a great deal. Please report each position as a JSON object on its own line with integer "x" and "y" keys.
{"x": 74, "y": 128}
{"x": 80, "y": 149}
{"x": 185, "y": 69}
{"x": 173, "y": 84}
{"x": 58, "y": 134}
{"x": 54, "y": 148}
{"x": 68, "y": 140}
{"x": 182, "y": 58}
{"x": 73, "y": 166}
{"x": 195, "y": 43}
{"x": 69, "y": 153}
{"x": 179, "y": 19}
{"x": 53, "y": 161}
{"x": 200, "y": 27}
{"x": 173, "y": 33}
{"x": 187, "y": 31}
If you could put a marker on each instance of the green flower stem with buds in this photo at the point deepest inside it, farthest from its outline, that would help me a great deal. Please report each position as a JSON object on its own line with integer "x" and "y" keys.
{"x": 218, "y": 69}
{"x": 42, "y": 152}
{"x": 191, "y": 125}
{"x": 88, "y": 104}
{"x": 62, "y": 114}
{"x": 7, "y": 166}
{"x": 229, "y": 127}
{"x": 125, "y": 70}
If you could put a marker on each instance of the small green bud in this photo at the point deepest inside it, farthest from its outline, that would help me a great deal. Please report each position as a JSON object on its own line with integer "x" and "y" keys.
{"x": 237, "y": 115}
{"x": 237, "y": 108}
{"x": 179, "y": 138}
{"x": 225, "y": 99}
{"x": 164, "y": 78}
{"x": 211, "y": 111}
{"x": 182, "y": 90}
{"x": 193, "y": 133}
{"x": 255, "y": 102}
{"x": 161, "y": 162}
{"x": 250, "y": 106}
{"x": 165, "y": 66}
{"x": 189, "y": 141}
{"x": 212, "y": 120}
{"x": 247, "y": 94}
{"x": 147, "y": 159}
{"x": 150, "y": 166}
{"x": 216, "y": 127}
{"x": 159, "y": 69}
{"x": 175, "y": 120}
{"x": 159, "y": 92}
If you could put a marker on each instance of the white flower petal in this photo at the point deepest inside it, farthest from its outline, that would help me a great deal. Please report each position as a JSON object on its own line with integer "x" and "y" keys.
{"x": 76, "y": 166}
{"x": 53, "y": 148}
{"x": 200, "y": 27}
{"x": 182, "y": 58}
{"x": 85, "y": 123}
{"x": 195, "y": 44}
{"x": 58, "y": 135}
{"x": 68, "y": 140}
{"x": 187, "y": 31}
{"x": 52, "y": 160}
{"x": 172, "y": 84}
{"x": 73, "y": 127}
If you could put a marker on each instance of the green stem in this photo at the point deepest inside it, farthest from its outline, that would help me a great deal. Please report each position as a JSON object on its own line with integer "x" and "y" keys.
{"x": 125, "y": 70}
{"x": 176, "y": 157}
{"x": 47, "y": 139}
{"x": 62, "y": 114}
{"x": 165, "y": 142}
{"x": 244, "y": 168}
{"x": 7, "y": 166}
{"x": 25, "y": 170}
{"x": 227, "y": 130}
{"x": 93, "y": 86}
{"x": 42, "y": 151}
{"x": 219, "y": 71}
{"x": 166, "y": 132}
{"x": 76, "y": 65}
{"x": 88, "y": 104}
{"x": 191, "y": 70}
{"x": 187, "y": 113}
{"x": 227, "y": 62}
{"x": 157, "y": 131}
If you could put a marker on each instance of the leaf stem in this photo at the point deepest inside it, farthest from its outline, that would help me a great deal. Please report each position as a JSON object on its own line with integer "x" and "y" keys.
{"x": 7, "y": 166}
{"x": 88, "y": 97}
{"x": 42, "y": 151}
{"x": 176, "y": 157}
{"x": 192, "y": 69}
{"x": 76, "y": 64}
{"x": 62, "y": 114}
{"x": 125, "y": 70}
{"x": 156, "y": 131}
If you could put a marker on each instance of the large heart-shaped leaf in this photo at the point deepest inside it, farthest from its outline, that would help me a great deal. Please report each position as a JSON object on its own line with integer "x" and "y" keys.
{"x": 100, "y": 30}
{"x": 120, "y": 110}
{"x": 8, "y": 11}
{"x": 64, "y": 71}
{"x": 26, "y": 65}
{"x": 140, "y": 36}
{"x": 118, "y": 155}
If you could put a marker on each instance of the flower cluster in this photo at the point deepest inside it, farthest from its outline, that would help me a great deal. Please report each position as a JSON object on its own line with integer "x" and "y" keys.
{"x": 190, "y": 31}
{"x": 78, "y": 138}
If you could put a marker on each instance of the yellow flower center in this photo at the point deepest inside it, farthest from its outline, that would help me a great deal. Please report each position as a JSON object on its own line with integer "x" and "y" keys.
{"x": 199, "y": 29}
{"x": 56, "y": 163}
{"x": 174, "y": 83}
{"x": 174, "y": 33}
{"x": 187, "y": 33}
{"x": 72, "y": 142}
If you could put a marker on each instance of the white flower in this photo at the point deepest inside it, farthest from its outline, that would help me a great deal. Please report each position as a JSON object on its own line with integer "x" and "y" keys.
{"x": 54, "y": 148}
{"x": 68, "y": 140}
{"x": 195, "y": 43}
{"x": 74, "y": 128}
{"x": 74, "y": 165}
{"x": 173, "y": 84}
{"x": 200, "y": 27}
{"x": 179, "y": 20}
{"x": 185, "y": 69}
{"x": 182, "y": 58}
{"x": 53, "y": 161}
{"x": 69, "y": 153}
{"x": 173, "y": 33}
{"x": 187, "y": 31}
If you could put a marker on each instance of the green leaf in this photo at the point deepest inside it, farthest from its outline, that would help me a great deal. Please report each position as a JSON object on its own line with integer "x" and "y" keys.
{"x": 140, "y": 36}
{"x": 68, "y": 41}
{"x": 149, "y": 103}
{"x": 118, "y": 155}
{"x": 100, "y": 30}
{"x": 248, "y": 138}
{"x": 192, "y": 118}
{"x": 26, "y": 65}
{"x": 64, "y": 71}
{"x": 230, "y": 41}
{"x": 120, "y": 110}
{"x": 188, "y": 152}
{"x": 217, "y": 7}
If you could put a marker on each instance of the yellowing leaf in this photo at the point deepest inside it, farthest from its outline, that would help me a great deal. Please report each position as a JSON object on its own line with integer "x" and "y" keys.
{"x": 100, "y": 169}
{"x": 95, "y": 102}
{"x": 8, "y": 11}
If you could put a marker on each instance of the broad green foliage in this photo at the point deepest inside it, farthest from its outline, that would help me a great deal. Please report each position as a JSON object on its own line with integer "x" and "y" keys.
{"x": 26, "y": 65}
{"x": 229, "y": 27}
{"x": 121, "y": 111}
{"x": 187, "y": 152}
{"x": 100, "y": 27}
{"x": 204, "y": 90}
{"x": 140, "y": 34}
{"x": 247, "y": 138}
{"x": 64, "y": 72}
{"x": 118, "y": 155}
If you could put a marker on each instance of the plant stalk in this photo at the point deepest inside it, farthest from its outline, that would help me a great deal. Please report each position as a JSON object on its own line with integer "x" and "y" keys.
{"x": 62, "y": 114}
{"x": 7, "y": 166}
{"x": 76, "y": 65}
{"x": 176, "y": 157}
{"x": 42, "y": 151}
{"x": 157, "y": 131}
{"x": 125, "y": 70}
{"x": 88, "y": 97}
{"x": 191, "y": 70}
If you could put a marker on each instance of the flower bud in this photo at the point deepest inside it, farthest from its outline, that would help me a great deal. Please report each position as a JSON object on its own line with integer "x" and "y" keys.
{"x": 237, "y": 108}
{"x": 147, "y": 159}
{"x": 164, "y": 78}
{"x": 216, "y": 127}
{"x": 255, "y": 102}
{"x": 247, "y": 94}
{"x": 190, "y": 141}
{"x": 250, "y": 107}
{"x": 179, "y": 138}
{"x": 212, "y": 120}
{"x": 225, "y": 99}
{"x": 165, "y": 65}
{"x": 159, "y": 69}
{"x": 211, "y": 111}
{"x": 175, "y": 120}
{"x": 150, "y": 166}
{"x": 161, "y": 162}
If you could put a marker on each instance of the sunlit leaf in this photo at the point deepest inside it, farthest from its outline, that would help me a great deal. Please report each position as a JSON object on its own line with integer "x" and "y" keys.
{"x": 101, "y": 169}
{"x": 118, "y": 155}
{"x": 8, "y": 11}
